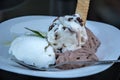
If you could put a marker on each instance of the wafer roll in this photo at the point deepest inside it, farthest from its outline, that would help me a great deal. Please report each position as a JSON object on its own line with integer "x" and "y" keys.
{"x": 82, "y": 8}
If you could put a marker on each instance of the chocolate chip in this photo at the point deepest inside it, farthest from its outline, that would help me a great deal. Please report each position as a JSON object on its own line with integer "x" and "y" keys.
{"x": 69, "y": 19}
{"x": 55, "y": 19}
{"x": 50, "y": 27}
{"x": 64, "y": 28}
{"x": 81, "y": 24}
{"x": 88, "y": 56}
{"x": 60, "y": 50}
{"x": 54, "y": 44}
{"x": 71, "y": 31}
{"x": 78, "y": 58}
{"x": 57, "y": 36}
{"x": 75, "y": 20}
{"x": 79, "y": 20}
{"x": 56, "y": 29}
{"x": 49, "y": 55}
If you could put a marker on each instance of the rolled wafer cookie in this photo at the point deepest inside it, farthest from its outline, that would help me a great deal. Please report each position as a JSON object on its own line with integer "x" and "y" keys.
{"x": 82, "y": 8}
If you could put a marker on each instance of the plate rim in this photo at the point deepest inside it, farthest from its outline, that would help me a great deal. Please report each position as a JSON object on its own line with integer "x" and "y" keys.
{"x": 88, "y": 21}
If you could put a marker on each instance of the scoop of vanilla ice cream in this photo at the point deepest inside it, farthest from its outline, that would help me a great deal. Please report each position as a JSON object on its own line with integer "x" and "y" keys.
{"x": 33, "y": 50}
{"x": 67, "y": 33}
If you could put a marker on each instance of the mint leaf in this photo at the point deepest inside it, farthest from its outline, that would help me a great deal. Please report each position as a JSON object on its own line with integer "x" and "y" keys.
{"x": 36, "y": 32}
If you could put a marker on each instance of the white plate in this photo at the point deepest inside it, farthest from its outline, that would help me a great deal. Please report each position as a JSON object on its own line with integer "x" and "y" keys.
{"x": 107, "y": 34}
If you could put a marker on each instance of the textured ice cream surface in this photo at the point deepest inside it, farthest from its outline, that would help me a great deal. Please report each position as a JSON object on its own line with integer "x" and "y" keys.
{"x": 85, "y": 53}
{"x": 33, "y": 50}
{"x": 67, "y": 33}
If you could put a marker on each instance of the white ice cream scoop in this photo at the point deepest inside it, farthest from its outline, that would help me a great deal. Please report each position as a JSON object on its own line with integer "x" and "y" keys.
{"x": 67, "y": 33}
{"x": 33, "y": 50}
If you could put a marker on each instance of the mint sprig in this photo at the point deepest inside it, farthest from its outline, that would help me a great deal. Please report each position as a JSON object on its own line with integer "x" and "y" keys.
{"x": 36, "y": 32}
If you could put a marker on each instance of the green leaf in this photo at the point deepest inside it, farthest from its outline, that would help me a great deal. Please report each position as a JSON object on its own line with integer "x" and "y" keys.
{"x": 36, "y": 32}
{"x": 7, "y": 43}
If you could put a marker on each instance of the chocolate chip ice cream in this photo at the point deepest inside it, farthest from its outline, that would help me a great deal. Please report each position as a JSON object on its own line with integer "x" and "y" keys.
{"x": 72, "y": 41}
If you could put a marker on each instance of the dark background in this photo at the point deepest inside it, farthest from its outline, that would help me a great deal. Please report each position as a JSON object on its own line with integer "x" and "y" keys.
{"x": 107, "y": 11}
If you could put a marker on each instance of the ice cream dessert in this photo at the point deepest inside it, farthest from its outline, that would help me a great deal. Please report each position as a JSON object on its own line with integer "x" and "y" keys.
{"x": 72, "y": 41}
{"x": 67, "y": 40}
{"x": 32, "y": 50}
{"x": 67, "y": 33}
